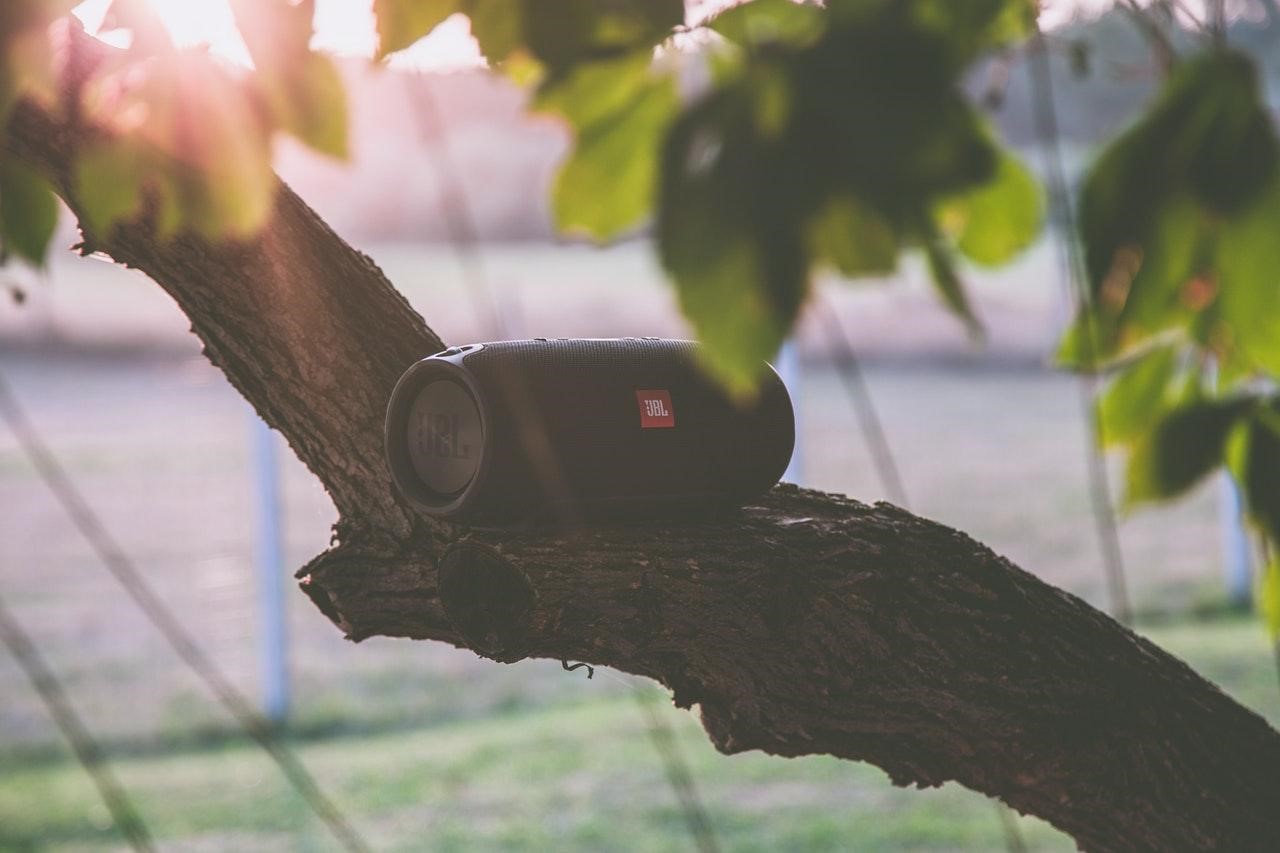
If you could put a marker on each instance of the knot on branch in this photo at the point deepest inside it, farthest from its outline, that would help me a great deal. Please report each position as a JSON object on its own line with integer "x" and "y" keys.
{"x": 486, "y": 599}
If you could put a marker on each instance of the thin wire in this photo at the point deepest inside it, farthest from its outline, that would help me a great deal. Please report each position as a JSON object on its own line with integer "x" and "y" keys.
{"x": 1182, "y": 7}
{"x": 1071, "y": 268}
{"x": 122, "y": 568}
{"x": 86, "y": 749}
{"x": 1219, "y": 8}
{"x": 464, "y": 238}
{"x": 679, "y": 776}
{"x": 877, "y": 441}
{"x": 1013, "y": 841}
{"x": 1160, "y": 43}
{"x": 465, "y": 241}
{"x": 855, "y": 386}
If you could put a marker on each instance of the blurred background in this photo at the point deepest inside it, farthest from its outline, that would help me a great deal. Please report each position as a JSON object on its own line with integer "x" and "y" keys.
{"x": 427, "y": 747}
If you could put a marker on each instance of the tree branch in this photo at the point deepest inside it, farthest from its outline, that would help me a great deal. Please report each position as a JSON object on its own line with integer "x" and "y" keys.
{"x": 813, "y": 624}
{"x": 807, "y": 623}
{"x": 308, "y": 329}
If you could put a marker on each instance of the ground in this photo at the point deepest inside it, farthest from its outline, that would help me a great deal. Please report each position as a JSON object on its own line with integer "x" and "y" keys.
{"x": 428, "y": 747}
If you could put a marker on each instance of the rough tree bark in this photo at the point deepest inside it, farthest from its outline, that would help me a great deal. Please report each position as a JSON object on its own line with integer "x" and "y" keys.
{"x": 806, "y": 623}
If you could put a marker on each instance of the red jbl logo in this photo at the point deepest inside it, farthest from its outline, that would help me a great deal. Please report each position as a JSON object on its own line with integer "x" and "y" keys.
{"x": 656, "y": 410}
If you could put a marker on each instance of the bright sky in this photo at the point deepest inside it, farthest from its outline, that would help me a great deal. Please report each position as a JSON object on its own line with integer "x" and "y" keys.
{"x": 342, "y": 26}
{"x": 346, "y": 27}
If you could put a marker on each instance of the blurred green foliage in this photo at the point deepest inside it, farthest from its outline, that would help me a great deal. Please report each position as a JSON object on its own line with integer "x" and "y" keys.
{"x": 1179, "y": 219}
{"x": 770, "y": 141}
{"x": 620, "y": 112}
{"x": 300, "y": 89}
{"x": 843, "y": 147}
{"x": 28, "y": 209}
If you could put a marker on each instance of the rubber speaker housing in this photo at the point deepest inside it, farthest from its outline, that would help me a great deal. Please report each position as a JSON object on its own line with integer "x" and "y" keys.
{"x": 502, "y": 432}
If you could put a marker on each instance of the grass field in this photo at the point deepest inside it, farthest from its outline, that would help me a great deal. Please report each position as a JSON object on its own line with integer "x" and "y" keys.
{"x": 428, "y": 747}
{"x": 571, "y": 770}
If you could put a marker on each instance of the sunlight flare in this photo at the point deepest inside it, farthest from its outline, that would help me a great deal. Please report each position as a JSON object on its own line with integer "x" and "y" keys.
{"x": 343, "y": 27}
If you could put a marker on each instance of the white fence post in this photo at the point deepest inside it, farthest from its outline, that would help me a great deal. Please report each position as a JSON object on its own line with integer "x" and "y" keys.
{"x": 1237, "y": 556}
{"x": 268, "y": 559}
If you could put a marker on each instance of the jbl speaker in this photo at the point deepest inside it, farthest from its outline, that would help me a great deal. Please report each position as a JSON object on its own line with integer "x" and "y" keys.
{"x": 500, "y": 432}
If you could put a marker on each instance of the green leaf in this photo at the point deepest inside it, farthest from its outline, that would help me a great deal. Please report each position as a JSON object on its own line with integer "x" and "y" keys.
{"x": 917, "y": 155}
{"x": 853, "y": 238}
{"x": 1136, "y": 398}
{"x": 400, "y": 23}
{"x": 760, "y": 22}
{"x": 222, "y": 178}
{"x": 109, "y": 178}
{"x": 728, "y": 235}
{"x": 621, "y": 113}
{"x": 497, "y": 27}
{"x": 1142, "y": 293}
{"x": 28, "y": 211}
{"x": 779, "y": 169}
{"x": 301, "y": 90}
{"x": 1000, "y": 218}
{"x": 1269, "y": 597}
{"x": 1185, "y": 445}
{"x": 204, "y": 152}
{"x": 562, "y": 33}
{"x": 1159, "y": 203}
{"x": 1260, "y": 469}
{"x": 976, "y": 26}
{"x": 1076, "y": 348}
{"x": 26, "y": 54}
{"x": 229, "y": 198}
{"x": 607, "y": 184}
{"x": 1256, "y": 467}
{"x": 1248, "y": 305}
{"x": 1201, "y": 139}
{"x": 772, "y": 100}
{"x": 310, "y": 102}
{"x": 1152, "y": 299}
{"x": 949, "y": 286}
{"x": 596, "y": 91}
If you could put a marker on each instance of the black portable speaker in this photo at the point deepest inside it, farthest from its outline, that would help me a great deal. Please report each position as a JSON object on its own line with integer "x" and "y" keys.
{"x": 500, "y": 432}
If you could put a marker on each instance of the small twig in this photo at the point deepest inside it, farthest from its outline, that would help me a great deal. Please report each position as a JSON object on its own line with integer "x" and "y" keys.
{"x": 1161, "y": 46}
{"x": 591, "y": 670}
{"x": 1191, "y": 16}
{"x": 996, "y": 85}
{"x": 1218, "y": 21}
